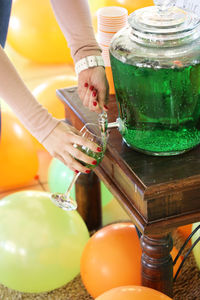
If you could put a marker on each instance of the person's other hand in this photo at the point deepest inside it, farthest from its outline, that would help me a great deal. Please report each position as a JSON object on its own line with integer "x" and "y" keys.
{"x": 60, "y": 144}
{"x": 93, "y": 89}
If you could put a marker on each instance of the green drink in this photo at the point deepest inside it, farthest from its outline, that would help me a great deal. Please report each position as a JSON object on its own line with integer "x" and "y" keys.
{"x": 100, "y": 138}
{"x": 159, "y": 106}
{"x": 97, "y": 156}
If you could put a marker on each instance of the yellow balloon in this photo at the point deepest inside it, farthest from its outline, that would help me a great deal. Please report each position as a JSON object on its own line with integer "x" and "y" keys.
{"x": 130, "y": 5}
{"x": 34, "y": 32}
{"x": 94, "y": 6}
{"x": 196, "y": 249}
{"x": 40, "y": 244}
{"x": 45, "y": 93}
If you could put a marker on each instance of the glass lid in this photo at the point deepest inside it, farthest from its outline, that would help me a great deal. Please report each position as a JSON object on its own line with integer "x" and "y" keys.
{"x": 164, "y": 23}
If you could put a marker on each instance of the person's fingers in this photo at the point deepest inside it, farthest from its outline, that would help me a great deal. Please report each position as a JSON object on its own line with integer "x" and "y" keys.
{"x": 103, "y": 97}
{"x": 82, "y": 90}
{"x": 78, "y": 154}
{"x": 72, "y": 163}
{"x": 86, "y": 98}
{"x": 89, "y": 144}
{"x": 93, "y": 102}
{"x": 80, "y": 140}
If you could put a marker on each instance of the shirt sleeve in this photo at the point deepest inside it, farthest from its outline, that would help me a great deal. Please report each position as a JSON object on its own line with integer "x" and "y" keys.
{"x": 74, "y": 19}
{"x": 15, "y": 93}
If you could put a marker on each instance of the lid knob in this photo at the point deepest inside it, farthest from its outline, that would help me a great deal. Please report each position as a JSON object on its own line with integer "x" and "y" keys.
{"x": 164, "y": 4}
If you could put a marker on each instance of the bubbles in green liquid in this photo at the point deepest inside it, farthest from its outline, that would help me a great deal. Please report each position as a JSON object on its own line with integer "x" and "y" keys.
{"x": 162, "y": 142}
{"x": 160, "y": 107}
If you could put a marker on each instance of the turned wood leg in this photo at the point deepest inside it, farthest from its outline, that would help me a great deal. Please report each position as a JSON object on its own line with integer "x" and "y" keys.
{"x": 157, "y": 265}
{"x": 88, "y": 197}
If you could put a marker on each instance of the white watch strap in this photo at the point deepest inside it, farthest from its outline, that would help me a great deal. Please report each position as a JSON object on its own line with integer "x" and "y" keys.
{"x": 89, "y": 62}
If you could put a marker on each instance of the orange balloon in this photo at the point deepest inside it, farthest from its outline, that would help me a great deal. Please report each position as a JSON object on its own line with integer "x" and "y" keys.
{"x": 34, "y": 32}
{"x": 18, "y": 157}
{"x": 45, "y": 93}
{"x": 185, "y": 231}
{"x": 133, "y": 293}
{"x": 130, "y": 5}
{"x": 109, "y": 76}
{"x": 5, "y": 107}
{"x": 38, "y": 145}
{"x": 174, "y": 253}
{"x": 112, "y": 258}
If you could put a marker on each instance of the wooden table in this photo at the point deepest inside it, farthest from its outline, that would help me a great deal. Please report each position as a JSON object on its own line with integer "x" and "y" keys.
{"x": 158, "y": 193}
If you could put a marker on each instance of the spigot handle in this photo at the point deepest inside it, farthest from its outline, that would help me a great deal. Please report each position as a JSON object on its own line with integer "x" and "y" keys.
{"x": 103, "y": 121}
{"x": 117, "y": 124}
{"x": 113, "y": 125}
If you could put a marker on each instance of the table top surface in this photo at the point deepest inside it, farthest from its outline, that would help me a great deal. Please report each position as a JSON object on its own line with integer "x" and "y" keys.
{"x": 149, "y": 170}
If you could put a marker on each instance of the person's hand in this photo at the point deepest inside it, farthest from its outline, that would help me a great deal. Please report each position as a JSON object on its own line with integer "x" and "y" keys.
{"x": 60, "y": 144}
{"x": 93, "y": 89}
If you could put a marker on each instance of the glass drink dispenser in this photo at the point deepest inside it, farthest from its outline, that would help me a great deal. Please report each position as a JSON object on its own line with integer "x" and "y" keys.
{"x": 155, "y": 62}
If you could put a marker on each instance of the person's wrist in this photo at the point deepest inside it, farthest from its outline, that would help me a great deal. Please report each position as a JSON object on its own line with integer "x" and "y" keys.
{"x": 89, "y": 62}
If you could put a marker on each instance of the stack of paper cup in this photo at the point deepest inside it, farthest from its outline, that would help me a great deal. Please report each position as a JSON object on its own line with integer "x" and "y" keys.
{"x": 109, "y": 20}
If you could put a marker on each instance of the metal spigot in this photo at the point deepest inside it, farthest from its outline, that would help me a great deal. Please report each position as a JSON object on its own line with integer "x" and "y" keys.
{"x": 113, "y": 125}
{"x": 103, "y": 121}
{"x": 117, "y": 124}
{"x": 104, "y": 125}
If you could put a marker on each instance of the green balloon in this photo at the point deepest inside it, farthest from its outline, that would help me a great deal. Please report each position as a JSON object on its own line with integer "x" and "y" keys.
{"x": 60, "y": 177}
{"x": 196, "y": 249}
{"x": 106, "y": 195}
{"x": 40, "y": 244}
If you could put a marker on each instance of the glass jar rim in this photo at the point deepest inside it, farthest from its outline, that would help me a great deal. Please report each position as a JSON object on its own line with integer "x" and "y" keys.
{"x": 163, "y": 28}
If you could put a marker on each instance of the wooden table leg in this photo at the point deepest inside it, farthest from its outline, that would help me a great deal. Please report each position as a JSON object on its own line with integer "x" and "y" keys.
{"x": 88, "y": 197}
{"x": 157, "y": 265}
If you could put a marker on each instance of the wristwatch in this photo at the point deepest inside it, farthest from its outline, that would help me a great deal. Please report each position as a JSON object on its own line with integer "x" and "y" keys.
{"x": 89, "y": 62}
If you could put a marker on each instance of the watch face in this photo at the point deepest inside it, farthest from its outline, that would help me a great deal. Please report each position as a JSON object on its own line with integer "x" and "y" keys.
{"x": 91, "y": 60}
{"x": 88, "y": 62}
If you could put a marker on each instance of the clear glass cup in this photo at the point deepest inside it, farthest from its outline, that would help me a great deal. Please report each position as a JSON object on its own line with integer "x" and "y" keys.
{"x": 93, "y": 133}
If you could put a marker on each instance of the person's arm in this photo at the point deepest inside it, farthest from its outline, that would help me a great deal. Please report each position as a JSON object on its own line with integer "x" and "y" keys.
{"x": 56, "y": 136}
{"x": 75, "y": 22}
{"x": 74, "y": 19}
{"x": 12, "y": 88}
